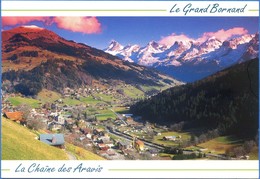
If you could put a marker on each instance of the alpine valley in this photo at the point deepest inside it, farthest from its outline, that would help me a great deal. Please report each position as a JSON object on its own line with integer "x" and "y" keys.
{"x": 190, "y": 60}
{"x": 192, "y": 99}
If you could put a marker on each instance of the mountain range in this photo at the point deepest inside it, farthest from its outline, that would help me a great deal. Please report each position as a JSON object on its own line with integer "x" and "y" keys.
{"x": 34, "y": 58}
{"x": 190, "y": 60}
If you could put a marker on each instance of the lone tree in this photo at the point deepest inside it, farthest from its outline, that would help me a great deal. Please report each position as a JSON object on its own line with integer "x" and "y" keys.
{"x": 35, "y": 123}
{"x": 26, "y": 109}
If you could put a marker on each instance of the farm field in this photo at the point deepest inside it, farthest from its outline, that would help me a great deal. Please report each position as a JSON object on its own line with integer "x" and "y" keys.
{"x": 219, "y": 145}
{"x": 90, "y": 100}
{"x": 121, "y": 110}
{"x": 106, "y": 98}
{"x": 133, "y": 92}
{"x": 104, "y": 114}
{"x": 16, "y": 101}
{"x": 71, "y": 102}
{"x": 159, "y": 138}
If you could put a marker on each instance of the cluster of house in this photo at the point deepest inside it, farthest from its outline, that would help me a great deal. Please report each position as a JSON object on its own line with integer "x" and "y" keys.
{"x": 57, "y": 116}
{"x": 87, "y": 91}
{"x": 77, "y": 93}
{"x": 108, "y": 147}
{"x": 94, "y": 90}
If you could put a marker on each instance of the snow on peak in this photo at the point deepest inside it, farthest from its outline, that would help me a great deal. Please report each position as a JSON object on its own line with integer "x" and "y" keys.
{"x": 210, "y": 50}
{"x": 114, "y": 46}
{"x": 32, "y": 27}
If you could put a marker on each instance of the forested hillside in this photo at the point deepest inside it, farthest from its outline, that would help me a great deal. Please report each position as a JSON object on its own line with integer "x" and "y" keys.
{"x": 227, "y": 101}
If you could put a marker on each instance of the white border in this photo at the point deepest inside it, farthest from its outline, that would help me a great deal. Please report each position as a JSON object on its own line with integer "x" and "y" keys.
{"x": 123, "y": 8}
{"x": 172, "y": 169}
{"x": 231, "y": 167}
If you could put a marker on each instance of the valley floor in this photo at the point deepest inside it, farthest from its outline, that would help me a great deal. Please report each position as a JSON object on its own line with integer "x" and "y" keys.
{"x": 99, "y": 126}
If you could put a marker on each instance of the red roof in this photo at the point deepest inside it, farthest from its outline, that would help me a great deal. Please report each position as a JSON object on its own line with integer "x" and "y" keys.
{"x": 15, "y": 116}
{"x": 140, "y": 143}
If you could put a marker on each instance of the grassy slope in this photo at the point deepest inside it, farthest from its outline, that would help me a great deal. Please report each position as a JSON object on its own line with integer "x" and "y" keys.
{"x": 219, "y": 145}
{"x": 82, "y": 154}
{"x": 253, "y": 155}
{"x": 19, "y": 143}
{"x": 20, "y": 100}
{"x": 90, "y": 100}
{"x": 133, "y": 92}
{"x": 47, "y": 96}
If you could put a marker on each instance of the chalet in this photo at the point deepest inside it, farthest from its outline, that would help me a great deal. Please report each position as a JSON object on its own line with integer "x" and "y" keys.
{"x": 14, "y": 116}
{"x": 170, "y": 138}
{"x": 103, "y": 147}
{"x": 99, "y": 132}
{"x": 122, "y": 145}
{"x": 138, "y": 145}
{"x": 56, "y": 140}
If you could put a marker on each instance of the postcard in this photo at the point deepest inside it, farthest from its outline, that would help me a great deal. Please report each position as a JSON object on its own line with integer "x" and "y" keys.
{"x": 130, "y": 89}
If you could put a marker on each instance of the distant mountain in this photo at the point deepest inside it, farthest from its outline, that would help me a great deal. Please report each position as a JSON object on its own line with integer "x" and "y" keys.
{"x": 226, "y": 101}
{"x": 34, "y": 58}
{"x": 191, "y": 60}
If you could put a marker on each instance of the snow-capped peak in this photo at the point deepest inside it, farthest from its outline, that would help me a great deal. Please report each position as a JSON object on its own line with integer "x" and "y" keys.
{"x": 115, "y": 46}
{"x": 211, "y": 51}
{"x": 211, "y": 44}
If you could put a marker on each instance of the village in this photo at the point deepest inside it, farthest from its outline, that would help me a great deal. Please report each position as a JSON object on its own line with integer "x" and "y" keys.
{"x": 114, "y": 136}
{"x": 98, "y": 120}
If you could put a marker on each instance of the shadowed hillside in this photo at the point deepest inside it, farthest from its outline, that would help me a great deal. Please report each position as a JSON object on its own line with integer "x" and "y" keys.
{"x": 227, "y": 101}
{"x": 34, "y": 59}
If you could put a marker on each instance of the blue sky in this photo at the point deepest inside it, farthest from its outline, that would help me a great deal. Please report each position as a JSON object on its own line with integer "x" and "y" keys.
{"x": 141, "y": 30}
